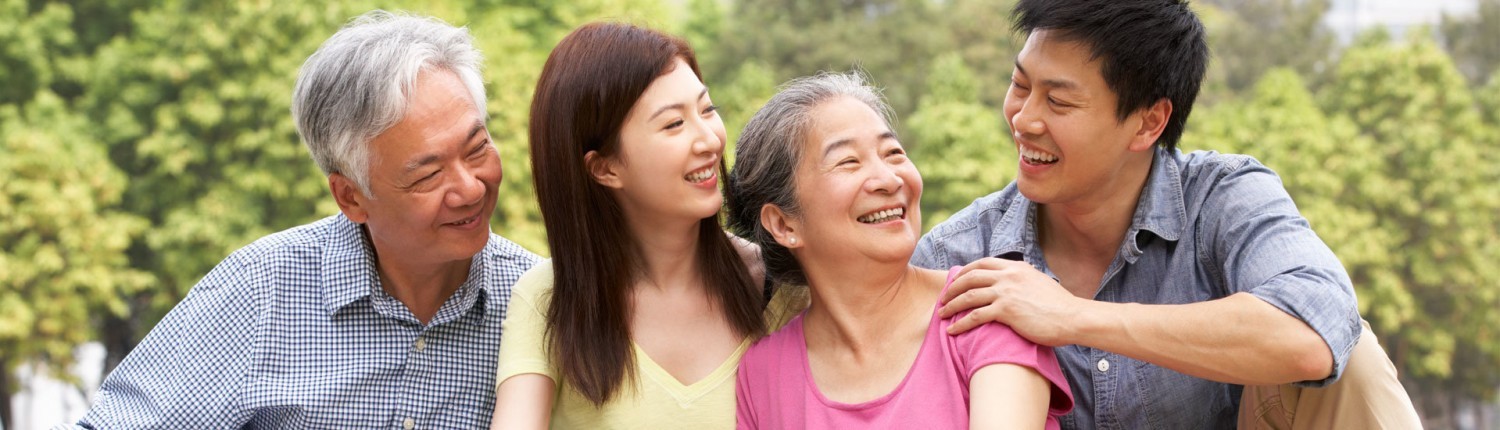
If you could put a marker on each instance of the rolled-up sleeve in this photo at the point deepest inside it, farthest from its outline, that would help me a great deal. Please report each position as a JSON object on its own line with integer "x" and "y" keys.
{"x": 1268, "y": 249}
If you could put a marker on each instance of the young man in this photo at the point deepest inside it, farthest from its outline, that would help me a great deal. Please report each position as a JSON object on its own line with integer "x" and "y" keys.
{"x": 384, "y": 316}
{"x": 1168, "y": 281}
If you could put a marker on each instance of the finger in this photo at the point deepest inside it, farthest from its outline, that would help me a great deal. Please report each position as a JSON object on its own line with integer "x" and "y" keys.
{"x": 987, "y": 263}
{"x": 974, "y": 319}
{"x": 965, "y": 301}
{"x": 976, "y": 279}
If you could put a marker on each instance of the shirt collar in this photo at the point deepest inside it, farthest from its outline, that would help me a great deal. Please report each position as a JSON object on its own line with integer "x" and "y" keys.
{"x": 350, "y": 274}
{"x": 348, "y": 265}
{"x": 1161, "y": 211}
{"x": 1016, "y": 229}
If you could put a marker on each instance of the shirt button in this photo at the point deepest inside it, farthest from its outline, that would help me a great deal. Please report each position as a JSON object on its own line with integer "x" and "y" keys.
{"x": 1103, "y": 365}
{"x": 408, "y": 424}
{"x": 421, "y": 345}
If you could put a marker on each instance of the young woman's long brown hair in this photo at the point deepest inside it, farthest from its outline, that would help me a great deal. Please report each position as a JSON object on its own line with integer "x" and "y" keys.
{"x": 588, "y": 85}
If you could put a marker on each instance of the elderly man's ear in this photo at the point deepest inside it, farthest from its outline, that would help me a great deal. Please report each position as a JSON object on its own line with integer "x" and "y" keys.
{"x": 781, "y": 226}
{"x": 352, "y": 202}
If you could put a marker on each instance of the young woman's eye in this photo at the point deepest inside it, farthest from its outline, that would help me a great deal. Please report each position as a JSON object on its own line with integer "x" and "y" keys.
{"x": 710, "y": 109}
{"x": 673, "y": 124}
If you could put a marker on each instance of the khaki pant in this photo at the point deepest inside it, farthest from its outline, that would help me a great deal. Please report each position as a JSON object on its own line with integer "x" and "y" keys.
{"x": 1367, "y": 396}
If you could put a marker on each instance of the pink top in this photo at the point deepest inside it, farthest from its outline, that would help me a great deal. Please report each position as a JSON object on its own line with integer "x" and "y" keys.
{"x": 776, "y": 389}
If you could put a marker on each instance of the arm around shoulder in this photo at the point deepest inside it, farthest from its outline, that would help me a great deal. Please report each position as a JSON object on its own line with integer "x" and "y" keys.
{"x": 1263, "y": 246}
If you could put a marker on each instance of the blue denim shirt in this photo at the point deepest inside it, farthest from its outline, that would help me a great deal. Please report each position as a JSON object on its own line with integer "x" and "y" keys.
{"x": 1207, "y": 225}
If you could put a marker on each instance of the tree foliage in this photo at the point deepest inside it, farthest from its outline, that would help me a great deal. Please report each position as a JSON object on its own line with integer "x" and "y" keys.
{"x": 961, "y": 145}
{"x": 1437, "y": 201}
{"x": 64, "y": 238}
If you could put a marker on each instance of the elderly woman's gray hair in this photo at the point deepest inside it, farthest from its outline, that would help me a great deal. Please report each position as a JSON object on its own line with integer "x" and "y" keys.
{"x": 357, "y": 84}
{"x": 768, "y": 153}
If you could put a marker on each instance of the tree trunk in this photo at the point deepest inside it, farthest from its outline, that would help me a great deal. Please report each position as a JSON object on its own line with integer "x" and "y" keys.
{"x": 5, "y": 391}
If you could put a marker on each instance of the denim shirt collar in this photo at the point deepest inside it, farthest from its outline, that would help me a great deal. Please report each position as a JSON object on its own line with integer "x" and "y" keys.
{"x": 350, "y": 255}
{"x": 1160, "y": 211}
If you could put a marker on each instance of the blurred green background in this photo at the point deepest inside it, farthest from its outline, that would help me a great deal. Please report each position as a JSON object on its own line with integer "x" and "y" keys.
{"x": 143, "y": 141}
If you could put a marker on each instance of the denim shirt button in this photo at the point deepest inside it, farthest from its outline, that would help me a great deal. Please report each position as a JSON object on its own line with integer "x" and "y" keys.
{"x": 1104, "y": 365}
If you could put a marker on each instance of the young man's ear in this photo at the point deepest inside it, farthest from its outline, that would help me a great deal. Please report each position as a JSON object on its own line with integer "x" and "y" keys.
{"x": 604, "y": 170}
{"x": 1153, "y": 122}
{"x": 352, "y": 202}
{"x": 782, "y": 227}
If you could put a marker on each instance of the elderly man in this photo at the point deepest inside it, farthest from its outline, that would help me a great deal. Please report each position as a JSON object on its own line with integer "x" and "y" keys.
{"x": 385, "y": 315}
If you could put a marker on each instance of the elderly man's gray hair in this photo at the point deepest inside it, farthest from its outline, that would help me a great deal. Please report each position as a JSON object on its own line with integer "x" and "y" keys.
{"x": 357, "y": 84}
{"x": 769, "y": 151}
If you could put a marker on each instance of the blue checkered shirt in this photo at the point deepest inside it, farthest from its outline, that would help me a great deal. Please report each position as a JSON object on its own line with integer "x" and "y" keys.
{"x": 294, "y": 331}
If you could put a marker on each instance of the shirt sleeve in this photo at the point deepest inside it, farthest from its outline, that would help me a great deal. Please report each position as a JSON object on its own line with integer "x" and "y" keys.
{"x": 744, "y": 416}
{"x": 190, "y": 369}
{"x": 995, "y": 343}
{"x": 1265, "y": 247}
{"x": 523, "y": 347}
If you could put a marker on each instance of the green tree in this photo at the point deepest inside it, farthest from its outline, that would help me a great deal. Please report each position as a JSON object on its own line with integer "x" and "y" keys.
{"x": 1247, "y": 37}
{"x": 798, "y": 38}
{"x": 63, "y": 237}
{"x": 201, "y": 126}
{"x": 1435, "y": 199}
{"x": 961, "y": 145}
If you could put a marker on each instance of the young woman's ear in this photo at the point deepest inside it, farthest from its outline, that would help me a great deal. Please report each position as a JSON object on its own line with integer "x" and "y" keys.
{"x": 781, "y": 226}
{"x": 604, "y": 170}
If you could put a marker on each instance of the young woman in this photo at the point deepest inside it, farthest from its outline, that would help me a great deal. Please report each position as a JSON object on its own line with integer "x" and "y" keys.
{"x": 640, "y": 318}
{"x": 826, "y": 190}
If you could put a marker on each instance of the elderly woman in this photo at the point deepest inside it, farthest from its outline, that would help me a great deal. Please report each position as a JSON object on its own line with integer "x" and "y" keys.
{"x": 825, "y": 188}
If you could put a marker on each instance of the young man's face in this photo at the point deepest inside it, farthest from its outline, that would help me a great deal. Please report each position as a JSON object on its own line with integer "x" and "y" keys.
{"x": 1073, "y": 147}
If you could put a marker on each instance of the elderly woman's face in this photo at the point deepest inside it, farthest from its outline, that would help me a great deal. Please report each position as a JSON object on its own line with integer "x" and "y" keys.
{"x": 858, "y": 192}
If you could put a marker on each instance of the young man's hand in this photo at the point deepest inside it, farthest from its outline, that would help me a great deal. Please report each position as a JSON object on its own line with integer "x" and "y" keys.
{"x": 1016, "y": 294}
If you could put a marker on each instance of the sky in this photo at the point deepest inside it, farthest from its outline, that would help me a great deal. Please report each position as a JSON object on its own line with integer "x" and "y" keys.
{"x": 1347, "y": 17}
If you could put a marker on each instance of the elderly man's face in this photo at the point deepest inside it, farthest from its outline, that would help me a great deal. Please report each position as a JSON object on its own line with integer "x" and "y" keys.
{"x": 433, "y": 178}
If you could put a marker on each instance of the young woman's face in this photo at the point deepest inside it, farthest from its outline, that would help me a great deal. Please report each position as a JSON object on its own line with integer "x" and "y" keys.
{"x": 859, "y": 193}
{"x": 670, "y": 146}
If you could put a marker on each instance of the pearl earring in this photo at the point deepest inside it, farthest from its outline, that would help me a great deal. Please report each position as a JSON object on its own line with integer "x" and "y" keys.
{"x": 794, "y": 240}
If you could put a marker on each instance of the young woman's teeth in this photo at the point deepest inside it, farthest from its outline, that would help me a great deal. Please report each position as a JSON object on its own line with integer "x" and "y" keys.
{"x": 700, "y": 176}
{"x": 1037, "y": 157}
{"x": 883, "y": 216}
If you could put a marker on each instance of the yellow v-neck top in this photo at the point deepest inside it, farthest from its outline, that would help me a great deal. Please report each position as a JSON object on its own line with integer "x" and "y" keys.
{"x": 655, "y": 401}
